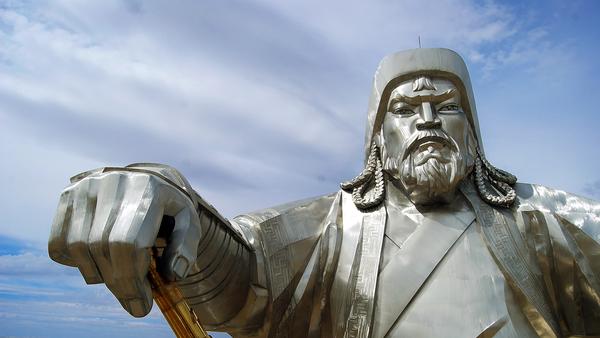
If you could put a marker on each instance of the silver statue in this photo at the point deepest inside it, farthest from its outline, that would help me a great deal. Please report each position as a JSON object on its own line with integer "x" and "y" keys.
{"x": 430, "y": 240}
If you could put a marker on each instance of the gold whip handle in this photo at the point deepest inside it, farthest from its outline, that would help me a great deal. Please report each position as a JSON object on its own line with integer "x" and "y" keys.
{"x": 179, "y": 315}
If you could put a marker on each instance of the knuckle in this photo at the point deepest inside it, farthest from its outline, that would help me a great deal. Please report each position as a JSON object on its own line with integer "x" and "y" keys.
{"x": 111, "y": 177}
{"x": 144, "y": 181}
{"x": 151, "y": 179}
{"x": 107, "y": 177}
{"x": 142, "y": 176}
{"x": 154, "y": 182}
{"x": 81, "y": 183}
{"x": 66, "y": 193}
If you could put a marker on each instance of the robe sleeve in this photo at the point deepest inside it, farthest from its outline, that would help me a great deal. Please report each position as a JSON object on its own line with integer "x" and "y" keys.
{"x": 295, "y": 248}
{"x": 563, "y": 233}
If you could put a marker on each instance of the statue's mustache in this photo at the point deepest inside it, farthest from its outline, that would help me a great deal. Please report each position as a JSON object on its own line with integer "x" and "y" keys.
{"x": 429, "y": 135}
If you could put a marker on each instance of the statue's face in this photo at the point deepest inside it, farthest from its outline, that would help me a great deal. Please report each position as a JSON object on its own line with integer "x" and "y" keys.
{"x": 426, "y": 140}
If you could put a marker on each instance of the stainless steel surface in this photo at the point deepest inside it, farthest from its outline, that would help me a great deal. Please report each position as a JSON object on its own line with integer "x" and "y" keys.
{"x": 429, "y": 240}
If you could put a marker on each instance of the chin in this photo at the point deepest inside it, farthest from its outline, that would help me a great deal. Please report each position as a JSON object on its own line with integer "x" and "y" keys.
{"x": 432, "y": 182}
{"x": 427, "y": 197}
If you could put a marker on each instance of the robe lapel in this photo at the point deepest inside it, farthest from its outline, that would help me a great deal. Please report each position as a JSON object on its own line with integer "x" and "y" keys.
{"x": 420, "y": 252}
{"x": 350, "y": 227}
{"x": 507, "y": 245}
{"x": 353, "y": 290}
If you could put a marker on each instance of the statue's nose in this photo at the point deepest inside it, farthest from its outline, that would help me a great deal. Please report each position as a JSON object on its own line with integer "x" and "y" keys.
{"x": 429, "y": 119}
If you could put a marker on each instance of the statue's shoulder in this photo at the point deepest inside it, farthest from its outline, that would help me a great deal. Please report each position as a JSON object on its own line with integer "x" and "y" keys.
{"x": 313, "y": 208}
{"x": 578, "y": 215}
{"x": 283, "y": 226}
{"x": 539, "y": 197}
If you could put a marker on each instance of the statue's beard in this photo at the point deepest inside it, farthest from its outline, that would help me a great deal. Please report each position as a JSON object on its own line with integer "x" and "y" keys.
{"x": 429, "y": 169}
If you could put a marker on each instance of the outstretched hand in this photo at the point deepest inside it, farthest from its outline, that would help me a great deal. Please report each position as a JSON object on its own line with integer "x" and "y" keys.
{"x": 107, "y": 223}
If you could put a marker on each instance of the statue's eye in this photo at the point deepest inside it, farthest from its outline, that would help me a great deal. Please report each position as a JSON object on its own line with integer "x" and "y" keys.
{"x": 449, "y": 108}
{"x": 403, "y": 111}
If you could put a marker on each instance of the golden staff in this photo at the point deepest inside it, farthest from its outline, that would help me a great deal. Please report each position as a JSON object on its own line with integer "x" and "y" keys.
{"x": 179, "y": 315}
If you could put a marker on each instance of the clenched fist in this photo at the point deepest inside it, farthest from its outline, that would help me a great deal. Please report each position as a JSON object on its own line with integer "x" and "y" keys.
{"x": 108, "y": 221}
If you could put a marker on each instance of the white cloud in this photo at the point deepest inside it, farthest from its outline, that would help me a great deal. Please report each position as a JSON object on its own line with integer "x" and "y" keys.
{"x": 248, "y": 100}
{"x": 381, "y": 27}
{"x": 26, "y": 264}
{"x": 257, "y": 102}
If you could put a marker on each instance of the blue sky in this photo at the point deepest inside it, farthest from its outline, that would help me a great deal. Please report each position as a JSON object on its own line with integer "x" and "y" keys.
{"x": 257, "y": 103}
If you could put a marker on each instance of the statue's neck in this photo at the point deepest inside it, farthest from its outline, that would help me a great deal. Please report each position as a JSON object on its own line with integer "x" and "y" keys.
{"x": 395, "y": 195}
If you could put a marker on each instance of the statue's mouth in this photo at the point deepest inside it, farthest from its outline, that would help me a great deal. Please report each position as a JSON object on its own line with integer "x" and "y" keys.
{"x": 431, "y": 150}
{"x": 431, "y": 145}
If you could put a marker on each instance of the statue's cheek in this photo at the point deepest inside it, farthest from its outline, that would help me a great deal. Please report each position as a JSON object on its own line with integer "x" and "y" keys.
{"x": 455, "y": 125}
{"x": 396, "y": 131}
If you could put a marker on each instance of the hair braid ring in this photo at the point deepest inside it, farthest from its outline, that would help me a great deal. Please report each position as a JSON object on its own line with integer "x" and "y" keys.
{"x": 488, "y": 175}
{"x": 370, "y": 178}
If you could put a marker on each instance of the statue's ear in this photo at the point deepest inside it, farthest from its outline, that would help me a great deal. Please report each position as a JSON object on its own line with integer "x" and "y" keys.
{"x": 378, "y": 139}
{"x": 471, "y": 148}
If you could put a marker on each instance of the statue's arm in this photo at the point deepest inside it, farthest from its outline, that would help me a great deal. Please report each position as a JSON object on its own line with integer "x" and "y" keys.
{"x": 563, "y": 230}
{"x": 583, "y": 213}
{"x": 220, "y": 286}
{"x": 109, "y": 218}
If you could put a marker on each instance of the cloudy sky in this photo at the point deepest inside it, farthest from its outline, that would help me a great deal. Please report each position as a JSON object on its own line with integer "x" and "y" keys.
{"x": 257, "y": 103}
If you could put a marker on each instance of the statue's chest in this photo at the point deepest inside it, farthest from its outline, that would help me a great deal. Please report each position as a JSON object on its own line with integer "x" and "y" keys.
{"x": 441, "y": 280}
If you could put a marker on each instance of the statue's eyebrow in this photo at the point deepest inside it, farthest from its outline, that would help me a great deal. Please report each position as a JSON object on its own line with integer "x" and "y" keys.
{"x": 418, "y": 99}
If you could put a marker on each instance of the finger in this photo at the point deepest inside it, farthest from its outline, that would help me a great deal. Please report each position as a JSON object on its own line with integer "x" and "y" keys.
{"x": 57, "y": 243}
{"x": 110, "y": 197}
{"x": 84, "y": 205}
{"x": 182, "y": 250}
{"x": 138, "y": 305}
{"x": 136, "y": 226}
{"x": 133, "y": 234}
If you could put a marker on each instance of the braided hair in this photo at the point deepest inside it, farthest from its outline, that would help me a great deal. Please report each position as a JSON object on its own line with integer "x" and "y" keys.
{"x": 494, "y": 186}
{"x": 487, "y": 176}
{"x": 370, "y": 177}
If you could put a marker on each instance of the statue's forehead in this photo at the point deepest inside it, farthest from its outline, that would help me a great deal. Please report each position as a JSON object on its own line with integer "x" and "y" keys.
{"x": 413, "y": 91}
{"x": 406, "y": 87}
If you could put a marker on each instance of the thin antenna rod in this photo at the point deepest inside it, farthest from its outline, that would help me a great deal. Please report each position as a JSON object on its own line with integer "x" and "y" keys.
{"x": 419, "y": 41}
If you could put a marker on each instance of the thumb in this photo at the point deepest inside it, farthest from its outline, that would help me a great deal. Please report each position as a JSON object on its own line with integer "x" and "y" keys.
{"x": 181, "y": 252}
